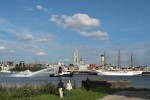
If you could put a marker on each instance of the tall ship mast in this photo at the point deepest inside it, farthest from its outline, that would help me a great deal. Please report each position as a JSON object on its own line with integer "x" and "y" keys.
{"x": 119, "y": 59}
{"x": 116, "y": 72}
{"x": 131, "y": 60}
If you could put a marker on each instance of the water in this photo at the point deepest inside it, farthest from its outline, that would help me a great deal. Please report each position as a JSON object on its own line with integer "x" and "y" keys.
{"x": 140, "y": 81}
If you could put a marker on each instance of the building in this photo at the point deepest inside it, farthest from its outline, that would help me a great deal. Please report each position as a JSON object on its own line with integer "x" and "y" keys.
{"x": 6, "y": 66}
{"x": 92, "y": 66}
{"x": 71, "y": 67}
{"x": 22, "y": 64}
{"x": 83, "y": 67}
{"x": 81, "y": 61}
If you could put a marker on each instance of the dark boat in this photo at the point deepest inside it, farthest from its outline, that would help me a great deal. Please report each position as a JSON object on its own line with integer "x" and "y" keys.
{"x": 62, "y": 73}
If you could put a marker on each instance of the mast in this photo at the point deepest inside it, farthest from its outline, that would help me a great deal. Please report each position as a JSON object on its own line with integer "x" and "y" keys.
{"x": 131, "y": 60}
{"x": 119, "y": 59}
{"x": 104, "y": 59}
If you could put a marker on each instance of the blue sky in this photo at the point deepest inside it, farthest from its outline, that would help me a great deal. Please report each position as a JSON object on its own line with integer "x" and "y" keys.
{"x": 49, "y": 30}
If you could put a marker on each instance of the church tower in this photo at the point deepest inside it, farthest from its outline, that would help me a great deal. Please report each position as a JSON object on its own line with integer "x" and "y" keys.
{"x": 75, "y": 56}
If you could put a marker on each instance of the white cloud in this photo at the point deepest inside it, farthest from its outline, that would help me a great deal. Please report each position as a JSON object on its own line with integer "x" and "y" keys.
{"x": 29, "y": 9}
{"x": 24, "y": 36}
{"x": 55, "y": 20}
{"x": 77, "y": 21}
{"x": 40, "y": 7}
{"x": 81, "y": 23}
{"x": 97, "y": 35}
{"x": 94, "y": 34}
{"x": 104, "y": 38}
{"x": 40, "y": 53}
{"x": 43, "y": 40}
{"x": 2, "y": 48}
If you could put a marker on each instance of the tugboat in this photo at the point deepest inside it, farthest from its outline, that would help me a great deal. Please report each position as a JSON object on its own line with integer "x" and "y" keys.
{"x": 62, "y": 73}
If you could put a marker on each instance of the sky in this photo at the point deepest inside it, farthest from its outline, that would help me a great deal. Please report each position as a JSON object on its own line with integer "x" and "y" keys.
{"x": 49, "y": 30}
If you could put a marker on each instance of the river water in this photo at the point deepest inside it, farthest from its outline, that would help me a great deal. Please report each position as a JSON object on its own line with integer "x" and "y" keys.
{"x": 140, "y": 81}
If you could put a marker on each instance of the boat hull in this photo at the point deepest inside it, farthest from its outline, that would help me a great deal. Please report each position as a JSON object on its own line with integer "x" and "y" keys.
{"x": 61, "y": 75}
{"x": 120, "y": 73}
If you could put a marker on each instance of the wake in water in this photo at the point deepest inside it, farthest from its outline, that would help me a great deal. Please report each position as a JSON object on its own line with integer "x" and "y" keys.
{"x": 28, "y": 73}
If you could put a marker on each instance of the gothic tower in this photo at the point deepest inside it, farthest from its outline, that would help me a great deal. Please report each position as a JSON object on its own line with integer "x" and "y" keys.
{"x": 75, "y": 56}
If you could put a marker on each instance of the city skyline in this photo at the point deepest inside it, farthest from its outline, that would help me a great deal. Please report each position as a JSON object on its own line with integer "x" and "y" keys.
{"x": 49, "y": 30}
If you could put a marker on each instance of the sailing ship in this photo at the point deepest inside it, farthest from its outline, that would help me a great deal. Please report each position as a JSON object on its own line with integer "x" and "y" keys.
{"x": 119, "y": 71}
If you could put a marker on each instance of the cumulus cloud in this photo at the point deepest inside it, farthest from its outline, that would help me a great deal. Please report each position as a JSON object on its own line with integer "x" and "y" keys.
{"x": 40, "y": 53}
{"x": 40, "y": 7}
{"x": 43, "y": 40}
{"x": 94, "y": 34}
{"x": 54, "y": 19}
{"x": 81, "y": 23}
{"x": 97, "y": 35}
{"x": 2, "y": 48}
{"x": 77, "y": 21}
{"x": 24, "y": 36}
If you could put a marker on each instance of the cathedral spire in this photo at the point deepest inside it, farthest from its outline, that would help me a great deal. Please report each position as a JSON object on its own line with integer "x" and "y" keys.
{"x": 75, "y": 56}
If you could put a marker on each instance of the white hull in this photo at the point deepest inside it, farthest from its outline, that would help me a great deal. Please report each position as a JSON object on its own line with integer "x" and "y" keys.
{"x": 120, "y": 73}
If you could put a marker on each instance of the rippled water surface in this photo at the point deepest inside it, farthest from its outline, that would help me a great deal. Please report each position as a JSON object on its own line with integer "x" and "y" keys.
{"x": 141, "y": 81}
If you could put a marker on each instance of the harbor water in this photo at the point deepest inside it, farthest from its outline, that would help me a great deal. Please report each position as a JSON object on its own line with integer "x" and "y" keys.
{"x": 139, "y": 81}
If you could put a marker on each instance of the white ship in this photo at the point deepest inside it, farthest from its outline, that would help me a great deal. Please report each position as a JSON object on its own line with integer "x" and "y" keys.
{"x": 118, "y": 72}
